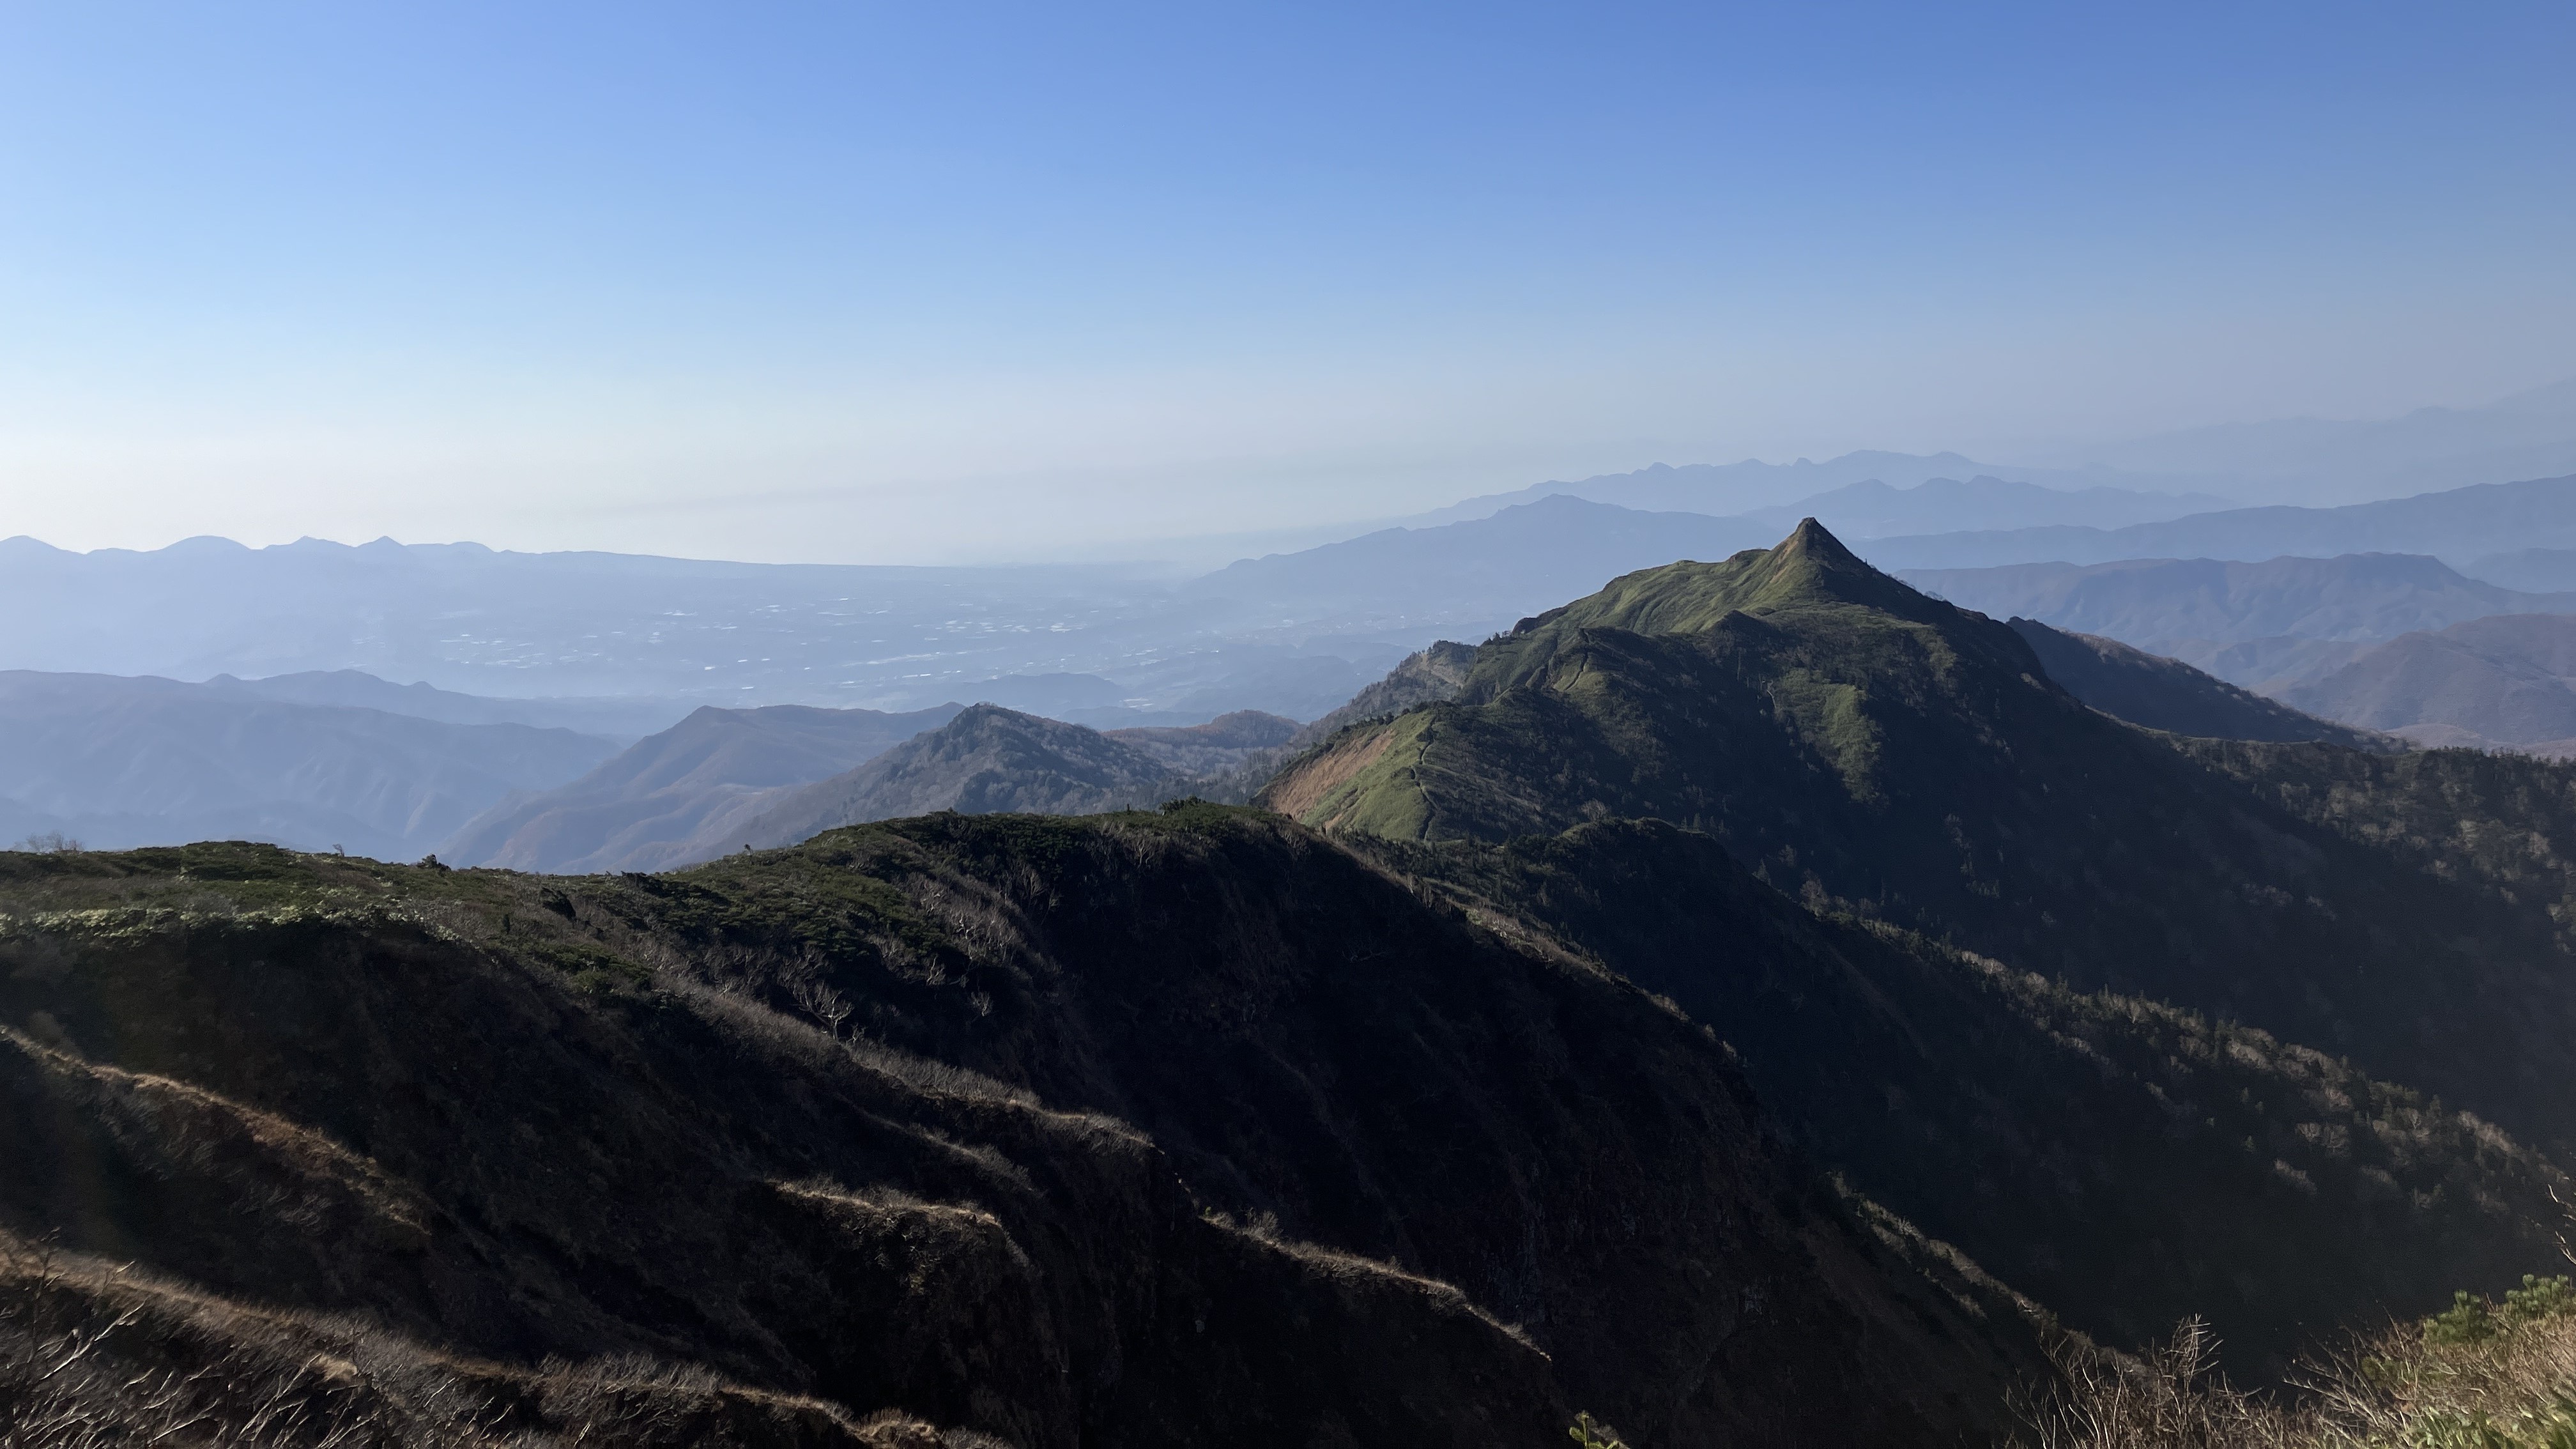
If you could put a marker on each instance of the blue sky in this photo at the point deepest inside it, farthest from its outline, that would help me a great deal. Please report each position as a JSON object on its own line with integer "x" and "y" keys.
{"x": 944, "y": 282}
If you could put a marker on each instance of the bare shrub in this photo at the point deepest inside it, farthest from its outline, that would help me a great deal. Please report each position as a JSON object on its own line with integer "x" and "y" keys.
{"x": 2483, "y": 1375}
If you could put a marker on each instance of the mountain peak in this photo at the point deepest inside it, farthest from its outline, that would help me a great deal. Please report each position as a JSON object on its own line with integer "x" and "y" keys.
{"x": 1813, "y": 540}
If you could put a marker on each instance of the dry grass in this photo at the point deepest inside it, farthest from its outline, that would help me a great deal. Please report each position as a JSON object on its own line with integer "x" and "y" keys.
{"x": 92, "y": 1355}
{"x": 2481, "y": 1376}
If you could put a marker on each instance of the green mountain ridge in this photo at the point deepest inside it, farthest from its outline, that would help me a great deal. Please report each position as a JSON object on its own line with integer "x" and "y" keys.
{"x": 1876, "y": 751}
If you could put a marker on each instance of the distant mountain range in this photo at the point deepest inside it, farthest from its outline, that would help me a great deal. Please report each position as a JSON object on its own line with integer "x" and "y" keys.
{"x": 637, "y": 810}
{"x": 620, "y": 719}
{"x": 2260, "y": 625}
{"x": 2458, "y": 526}
{"x": 2502, "y": 682}
{"x": 114, "y": 762}
{"x": 2310, "y": 460}
{"x": 1850, "y": 491}
{"x": 726, "y": 780}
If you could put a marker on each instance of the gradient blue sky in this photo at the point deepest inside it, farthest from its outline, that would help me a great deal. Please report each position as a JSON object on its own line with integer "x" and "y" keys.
{"x": 942, "y": 282}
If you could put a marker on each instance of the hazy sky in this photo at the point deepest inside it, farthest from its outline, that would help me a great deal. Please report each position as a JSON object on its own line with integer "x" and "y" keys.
{"x": 940, "y": 281}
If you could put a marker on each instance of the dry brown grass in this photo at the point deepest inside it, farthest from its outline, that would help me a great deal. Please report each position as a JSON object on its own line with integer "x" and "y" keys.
{"x": 2481, "y": 1376}
{"x": 92, "y": 1356}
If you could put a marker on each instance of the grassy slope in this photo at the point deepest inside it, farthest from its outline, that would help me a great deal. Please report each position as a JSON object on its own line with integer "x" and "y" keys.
{"x": 1879, "y": 752}
{"x": 1164, "y": 1129}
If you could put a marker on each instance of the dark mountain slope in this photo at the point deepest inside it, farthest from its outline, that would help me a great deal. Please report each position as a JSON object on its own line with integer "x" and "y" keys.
{"x": 2169, "y": 695}
{"x": 2510, "y": 680}
{"x": 511, "y": 1117}
{"x": 2128, "y": 1162}
{"x": 659, "y": 791}
{"x": 122, "y": 761}
{"x": 1854, "y": 741}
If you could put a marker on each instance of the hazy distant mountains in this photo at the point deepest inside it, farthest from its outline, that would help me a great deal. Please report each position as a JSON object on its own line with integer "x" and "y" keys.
{"x": 2531, "y": 435}
{"x": 2261, "y": 625}
{"x": 2458, "y": 526}
{"x": 1469, "y": 578}
{"x": 619, "y": 719}
{"x": 129, "y": 761}
{"x": 722, "y": 780}
{"x": 645, "y": 808}
{"x": 1863, "y": 494}
{"x": 2503, "y": 681}
{"x": 2166, "y": 694}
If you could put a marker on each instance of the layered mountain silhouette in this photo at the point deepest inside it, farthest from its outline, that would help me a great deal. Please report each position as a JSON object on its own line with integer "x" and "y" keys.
{"x": 2166, "y": 694}
{"x": 638, "y": 810}
{"x": 115, "y": 761}
{"x": 1756, "y": 1002}
{"x": 2456, "y": 524}
{"x": 2267, "y": 625}
{"x": 2508, "y": 681}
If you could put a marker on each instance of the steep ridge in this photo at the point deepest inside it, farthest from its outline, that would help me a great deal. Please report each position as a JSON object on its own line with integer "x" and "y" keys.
{"x": 1159, "y": 1130}
{"x": 629, "y": 812}
{"x": 2125, "y": 1162}
{"x": 2169, "y": 695}
{"x": 1864, "y": 746}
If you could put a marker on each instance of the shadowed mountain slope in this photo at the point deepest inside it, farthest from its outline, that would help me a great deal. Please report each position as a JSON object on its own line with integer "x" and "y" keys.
{"x": 1856, "y": 742}
{"x": 658, "y": 792}
{"x": 2125, "y": 1162}
{"x": 1156, "y": 1130}
{"x": 2169, "y": 695}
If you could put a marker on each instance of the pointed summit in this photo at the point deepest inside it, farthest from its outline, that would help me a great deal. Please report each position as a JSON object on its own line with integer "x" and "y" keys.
{"x": 1809, "y": 568}
{"x": 1814, "y": 540}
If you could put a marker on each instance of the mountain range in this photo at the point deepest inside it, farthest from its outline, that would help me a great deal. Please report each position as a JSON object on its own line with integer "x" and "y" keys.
{"x": 654, "y": 796}
{"x": 1885, "y": 753}
{"x": 113, "y": 761}
{"x": 2457, "y": 525}
{"x": 2502, "y": 682}
{"x": 2266, "y": 625}
{"x": 1754, "y": 1002}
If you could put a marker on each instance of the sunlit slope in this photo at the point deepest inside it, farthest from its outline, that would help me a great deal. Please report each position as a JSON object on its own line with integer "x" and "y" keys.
{"x": 1859, "y": 744}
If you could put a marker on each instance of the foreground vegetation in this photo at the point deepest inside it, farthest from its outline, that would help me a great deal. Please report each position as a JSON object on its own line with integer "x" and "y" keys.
{"x": 2483, "y": 1375}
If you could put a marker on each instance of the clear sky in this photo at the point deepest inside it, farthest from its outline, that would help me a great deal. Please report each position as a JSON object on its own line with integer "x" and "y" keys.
{"x": 943, "y": 281}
